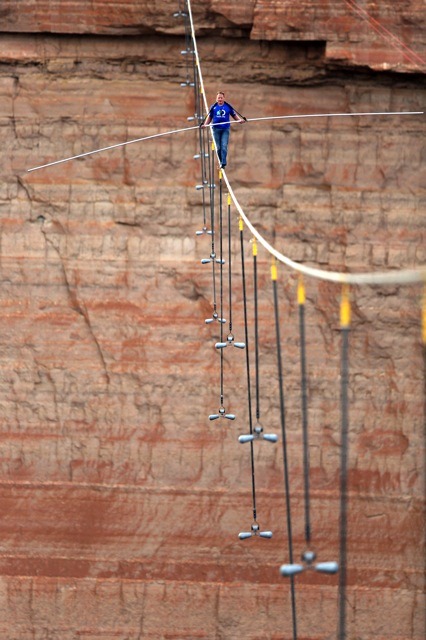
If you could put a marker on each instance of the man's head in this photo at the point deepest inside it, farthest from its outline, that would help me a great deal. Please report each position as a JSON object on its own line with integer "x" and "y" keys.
{"x": 220, "y": 98}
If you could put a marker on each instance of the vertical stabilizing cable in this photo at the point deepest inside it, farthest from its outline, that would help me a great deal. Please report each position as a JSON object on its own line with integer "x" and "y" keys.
{"x": 424, "y": 352}
{"x": 220, "y": 283}
{"x": 229, "y": 264}
{"x": 213, "y": 254}
{"x": 243, "y": 275}
{"x": 256, "y": 328}
{"x": 301, "y": 299}
{"x": 274, "y": 275}
{"x": 345, "y": 319}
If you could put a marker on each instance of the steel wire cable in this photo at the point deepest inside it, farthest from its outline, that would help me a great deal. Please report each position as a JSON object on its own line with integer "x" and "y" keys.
{"x": 220, "y": 287}
{"x": 230, "y": 265}
{"x": 256, "y": 329}
{"x": 243, "y": 276}
{"x": 391, "y": 38}
{"x": 344, "y": 457}
{"x": 304, "y": 397}
{"x": 274, "y": 276}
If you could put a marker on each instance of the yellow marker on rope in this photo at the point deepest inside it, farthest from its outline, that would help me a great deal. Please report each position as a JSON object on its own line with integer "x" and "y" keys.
{"x": 254, "y": 243}
{"x": 220, "y": 174}
{"x": 301, "y": 294}
{"x": 241, "y": 224}
{"x": 345, "y": 308}
{"x": 274, "y": 270}
{"x": 229, "y": 199}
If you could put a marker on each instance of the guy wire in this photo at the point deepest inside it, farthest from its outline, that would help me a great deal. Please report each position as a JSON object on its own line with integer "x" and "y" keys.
{"x": 243, "y": 275}
{"x": 284, "y": 441}
{"x": 304, "y": 396}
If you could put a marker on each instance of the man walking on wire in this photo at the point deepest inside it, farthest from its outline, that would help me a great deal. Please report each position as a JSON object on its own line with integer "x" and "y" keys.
{"x": 219, "y": 116}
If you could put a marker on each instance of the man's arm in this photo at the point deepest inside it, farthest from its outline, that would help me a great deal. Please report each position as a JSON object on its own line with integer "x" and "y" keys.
{"x": 237, "y": 118}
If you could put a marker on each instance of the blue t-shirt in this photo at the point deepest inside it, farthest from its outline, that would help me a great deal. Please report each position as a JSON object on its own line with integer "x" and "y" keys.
{"x": 220, "y": 115}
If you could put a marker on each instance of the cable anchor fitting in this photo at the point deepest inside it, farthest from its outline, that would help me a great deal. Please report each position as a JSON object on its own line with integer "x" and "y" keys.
{"x": 308, "y": 559}
{"x": 203, "y": 231}
{"x": 212, "y": 258}
{"x": 222, "y": 414}
{"x": 215, "y": 317}
{"x": 203, "y": 186}
{"x": 255, "y": 531}
{"x": 258, "y": 435}
{"x": 230, "y": 341}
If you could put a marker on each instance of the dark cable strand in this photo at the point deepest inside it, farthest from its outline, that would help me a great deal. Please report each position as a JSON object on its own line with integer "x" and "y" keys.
{"x": 212, "y": 255}
{"x": 220, "y": 285}
{"x": 256, "y": 329}
{"x": 344, "y": 454}
{"x": 304, "y": 388}
{"x": 243, "y": 275}
{"x": 229, "y": 264}
{"x": 284, "y": 441}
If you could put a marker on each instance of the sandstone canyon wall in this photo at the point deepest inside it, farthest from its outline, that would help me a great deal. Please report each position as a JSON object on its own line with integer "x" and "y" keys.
{"x": 120, "y": 502}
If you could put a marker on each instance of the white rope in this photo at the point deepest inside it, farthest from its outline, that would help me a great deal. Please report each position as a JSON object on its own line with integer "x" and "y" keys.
{"x": 173, "y": 131}
{"x": 112, "y": 146}
{"x": 333, "y": 115}
{"x": 393, "y": 277}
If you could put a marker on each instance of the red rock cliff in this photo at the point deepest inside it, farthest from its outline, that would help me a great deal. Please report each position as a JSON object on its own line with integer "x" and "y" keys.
{"x": 121, "y": 503}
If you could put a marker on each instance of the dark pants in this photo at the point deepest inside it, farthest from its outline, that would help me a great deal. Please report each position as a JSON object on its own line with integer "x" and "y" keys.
{"x": 221, "y": 137}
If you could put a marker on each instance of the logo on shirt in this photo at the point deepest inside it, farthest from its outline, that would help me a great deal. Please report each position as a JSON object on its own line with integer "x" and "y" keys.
{"x": 221, "y": 113}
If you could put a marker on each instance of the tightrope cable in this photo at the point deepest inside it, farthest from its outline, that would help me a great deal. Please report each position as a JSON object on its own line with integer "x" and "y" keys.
{"x": 174, "y": 131}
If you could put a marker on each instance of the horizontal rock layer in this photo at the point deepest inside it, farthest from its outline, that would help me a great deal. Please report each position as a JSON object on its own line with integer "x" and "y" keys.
{"x": 121, "y": 502}
{"x": 379, "y": 36}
